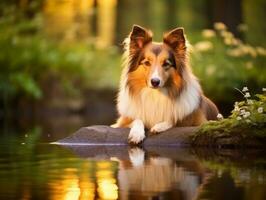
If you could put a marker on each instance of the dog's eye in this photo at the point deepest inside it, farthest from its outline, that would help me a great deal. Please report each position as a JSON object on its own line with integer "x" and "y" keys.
{"x": 167, "y": 64}
{"x": 146, "y": 63}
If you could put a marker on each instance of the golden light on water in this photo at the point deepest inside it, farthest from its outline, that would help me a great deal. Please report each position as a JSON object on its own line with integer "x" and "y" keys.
{"x": 89, "y": 180}
{"x": 107, "y": 188}
{"x": 107, "y": 184}
{"x": 72, "y": 187}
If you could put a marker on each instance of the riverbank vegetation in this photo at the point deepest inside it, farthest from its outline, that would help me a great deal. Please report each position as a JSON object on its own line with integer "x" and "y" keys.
{"x": 246, "y": 126}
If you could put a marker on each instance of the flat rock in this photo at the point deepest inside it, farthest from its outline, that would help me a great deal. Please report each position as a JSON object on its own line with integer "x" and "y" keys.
{"x": 105, "y": 135}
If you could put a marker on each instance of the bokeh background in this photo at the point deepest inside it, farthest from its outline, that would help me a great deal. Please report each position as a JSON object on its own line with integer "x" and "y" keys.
{"x": 60, "y": 60}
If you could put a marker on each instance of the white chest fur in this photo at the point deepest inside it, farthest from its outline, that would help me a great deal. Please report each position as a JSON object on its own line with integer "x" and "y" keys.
{"x": 153, "y": 106}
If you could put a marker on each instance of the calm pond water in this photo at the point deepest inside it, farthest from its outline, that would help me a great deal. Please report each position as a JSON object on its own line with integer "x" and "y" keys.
{"x": 31, "y": 168}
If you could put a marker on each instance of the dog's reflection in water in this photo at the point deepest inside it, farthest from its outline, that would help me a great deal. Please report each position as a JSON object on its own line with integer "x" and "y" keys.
{"x": 155, "y": 177}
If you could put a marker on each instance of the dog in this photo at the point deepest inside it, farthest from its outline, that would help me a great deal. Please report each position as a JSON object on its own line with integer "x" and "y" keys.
{"x": 158, "y": 89}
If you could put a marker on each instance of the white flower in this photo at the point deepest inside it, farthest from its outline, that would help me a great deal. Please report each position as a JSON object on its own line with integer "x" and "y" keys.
{"x": 238, "y": 118}
{"x": 228, "y": 41}
{"x": 250, "y": 102}
{"x": 247, "y": 95}
{"x": 242, "y": 112}
{"x": 247, "y": 114}
{"x": 219, "y": 26}
{"x": 261, "y": 51}
{"x": 245, "y": 89}
{"x": 203, "y": 46}
{"x": 227, "y": 34}
{"x": 236, "y": 52}
{"x": 236, "y": 108}
{"x": 260, "y": 110}
{"x": 220, "y": 116}
{"x": 263, "y": 89}
{"x": 208, "y": 33}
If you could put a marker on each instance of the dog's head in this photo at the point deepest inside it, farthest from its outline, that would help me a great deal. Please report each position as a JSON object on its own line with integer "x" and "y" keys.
{"x": 155, "y": 64}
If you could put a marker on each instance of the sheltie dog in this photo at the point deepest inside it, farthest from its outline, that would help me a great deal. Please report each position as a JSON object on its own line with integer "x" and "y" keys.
{"x": 158, "y": 89}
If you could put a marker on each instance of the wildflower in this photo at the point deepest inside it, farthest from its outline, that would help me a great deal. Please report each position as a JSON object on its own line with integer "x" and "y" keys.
{"x": 219, "y": 26}
{"x": 228, "y": 41}
{"x": 247, "y": 114}
{"x": 245, "y": 89}
{"x": 238, "y": 118}
{"x": 252, "y": 52}
{"x": 220, "y": 116}
{"x": 236, "y": 52}
{"x": 260, "y": 110}
{"x": 235, "y": 41}
{"x": 250, "y": 102}
{"x": 236, "y": 108}
{"x": 208, "y": 33}
{"x": 261, "y": 51}
{"x": 244, "y": 48}
{"x": 203, "y": 46}
{"x": 247, "y": 95}
{"x": 227, "y": 34}
{"x": 242, "y": 112}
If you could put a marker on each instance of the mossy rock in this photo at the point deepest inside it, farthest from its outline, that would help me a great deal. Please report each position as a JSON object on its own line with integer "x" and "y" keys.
{"x": 178, "y": 136}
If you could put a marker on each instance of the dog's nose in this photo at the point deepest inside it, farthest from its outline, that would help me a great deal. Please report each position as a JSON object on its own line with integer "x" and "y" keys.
{"x": 155, "y": 82}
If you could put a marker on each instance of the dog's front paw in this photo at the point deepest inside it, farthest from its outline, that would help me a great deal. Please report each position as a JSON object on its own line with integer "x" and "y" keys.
{"x": 114, "y": 125}
{"x": 137, "y": 132}
{"x": 160, "y": 127}
{"x": 137, "y": 156}
{"x": 136, "y": 135}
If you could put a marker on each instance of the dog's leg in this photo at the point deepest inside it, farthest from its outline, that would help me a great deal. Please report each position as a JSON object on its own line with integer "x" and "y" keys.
{"x": 137, "y": 156}
{"x": 122, "y": 122}
{"x": 137, "y": 132}
{"x": 160, "y": 127}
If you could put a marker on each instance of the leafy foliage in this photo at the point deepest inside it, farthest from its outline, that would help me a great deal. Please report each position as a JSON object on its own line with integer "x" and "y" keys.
{"x": 29, "y": 60}
{"x": 223, "y": 62}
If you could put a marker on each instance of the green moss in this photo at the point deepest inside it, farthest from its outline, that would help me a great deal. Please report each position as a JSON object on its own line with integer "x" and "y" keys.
{"x": 247, "y": 121}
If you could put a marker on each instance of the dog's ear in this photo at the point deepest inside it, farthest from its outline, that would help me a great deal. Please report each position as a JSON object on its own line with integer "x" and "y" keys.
{"x": 175, "y": 39}
{"x": 139, "y": 37}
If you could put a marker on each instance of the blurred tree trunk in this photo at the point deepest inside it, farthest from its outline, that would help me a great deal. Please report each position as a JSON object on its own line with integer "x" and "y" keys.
{"x": 171, "y": 7}
{"x": 226, "y": 11}
{"x": 128, "y": 13}
{"x": 106, "y": 22}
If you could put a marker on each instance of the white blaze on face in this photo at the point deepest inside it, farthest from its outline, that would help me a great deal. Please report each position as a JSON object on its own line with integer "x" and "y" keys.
{"x": 155, "y": 75}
